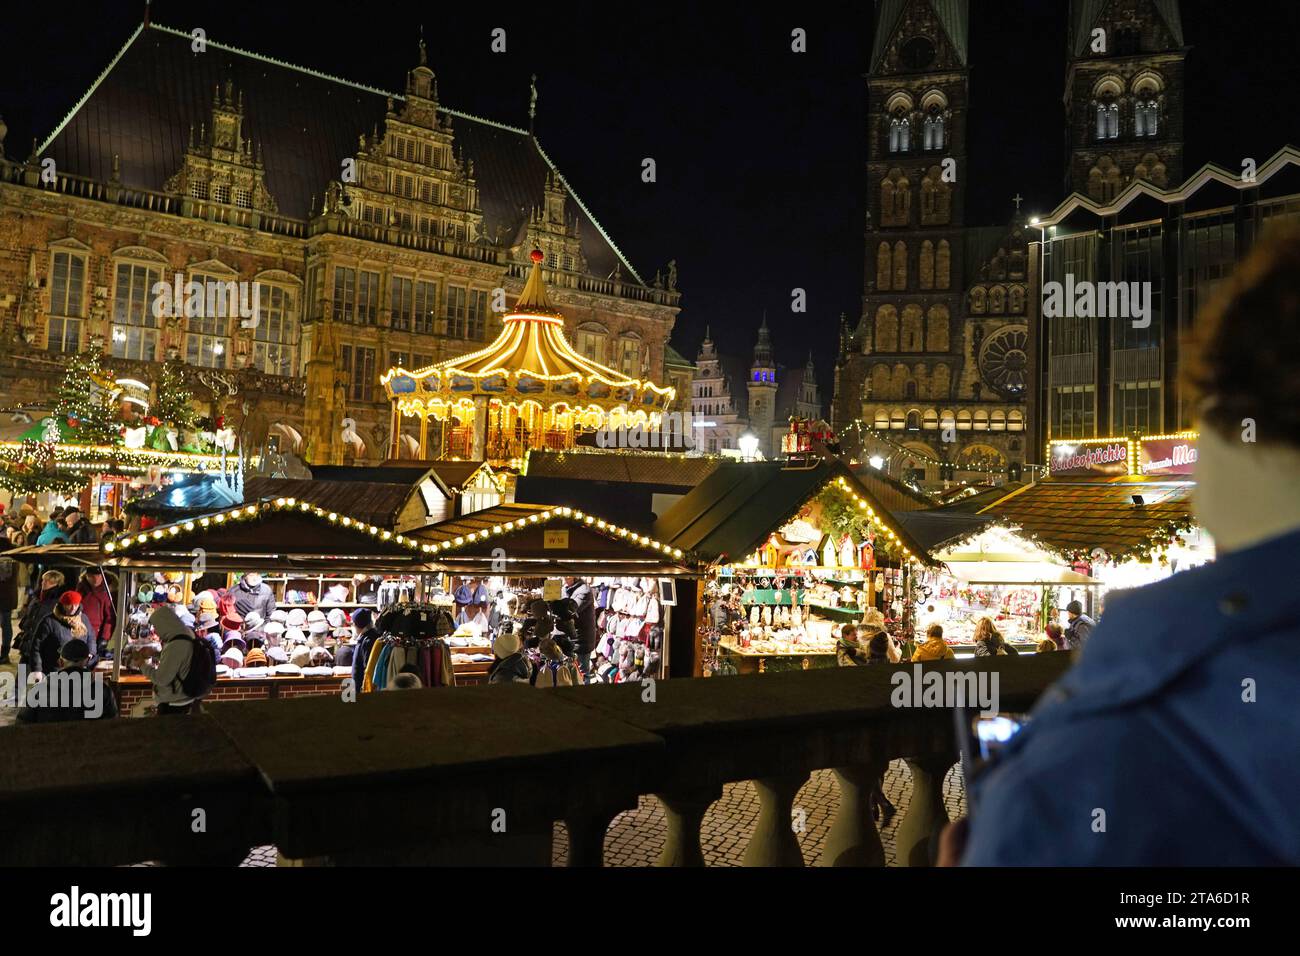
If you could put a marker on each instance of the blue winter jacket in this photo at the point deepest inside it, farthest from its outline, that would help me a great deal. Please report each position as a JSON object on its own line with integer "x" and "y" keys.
{"x": 52, "y": 533}
{"x": 1176, "y": 738}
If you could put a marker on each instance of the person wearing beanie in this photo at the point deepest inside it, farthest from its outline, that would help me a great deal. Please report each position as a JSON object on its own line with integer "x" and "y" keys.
{"x": 97, "y": 602}
{"x": 65, "y": 622}
{"x": 510, "y": 666}
{"x": 78, "y": 529}
{"x": 74, "y": 661}
{"x": 168, "y": 675}
{"x": 365, "y": 634}
{"x": 252, "y": 594}
{"x": 1079, "y": 628}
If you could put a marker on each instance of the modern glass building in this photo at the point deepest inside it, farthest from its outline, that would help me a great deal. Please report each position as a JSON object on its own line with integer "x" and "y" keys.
{"x": 1120, "y": 285}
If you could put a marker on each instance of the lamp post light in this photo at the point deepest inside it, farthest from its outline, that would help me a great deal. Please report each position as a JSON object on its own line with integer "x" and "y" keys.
{"x": 876, "y": 462}
{"x": 748, "y": 446}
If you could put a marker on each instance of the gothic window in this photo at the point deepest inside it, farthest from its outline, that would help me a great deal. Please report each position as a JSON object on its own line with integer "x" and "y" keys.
{"x": 1152, "y": 170}
{"x": 881, "y": 419}
{"x": 931, "y": 419}
{"x": 886, "y": 329}
{"x": 199, "y": 190}
{"x": 914, "y": 416}
{"x": 1004, "y": 362}
{"x": 900, "y": 133}
{"x": 897, "y": 420}
{"x": 932, "y": 130}
{"x": 912, "y": 339}
{"x": 1107, "y": 115}
{"x": 936, "y": 329}
{"x": 895, "y": 199}
{"x": 900, "y": 266}
{"x": 936, "y": 199}
{"x": 997, "y": 300}
{"x": 244, "y": 198}
{"x": 925, "y": 269}
{"x": 978, "y": 300}
{"x": 1017, "y": 299}
{"x": 1146, "y": 118}
{"x": 221, "y": 192}
{"x": 1104, "y": 180}
{"x": 943, "y": 265}
{"x": 884, "y": 267}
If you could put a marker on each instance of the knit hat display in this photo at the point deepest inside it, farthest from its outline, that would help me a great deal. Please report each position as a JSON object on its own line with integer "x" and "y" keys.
{"x": 232, "y": 657}
{"x": 297, "y": 617}
{"x": 277, "y": 655}
{"x": 279, "y": 614}
{"x": 206, "y": 601}
{"x": 255, "y": 658}
{"x": 207, "y": 621}
{"x": 253, "y": 620}
{"x": 316, "y": 615}
{"x": 336, "y": 618}
{"x": 294, "y": 636}
{"x": 234, "y": 639}
{"x": 300, "y": 655}
{"x": 321, "y": 627}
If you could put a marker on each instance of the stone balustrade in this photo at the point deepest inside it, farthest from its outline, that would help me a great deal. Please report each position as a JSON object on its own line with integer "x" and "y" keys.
{"x": 478, "y": 775}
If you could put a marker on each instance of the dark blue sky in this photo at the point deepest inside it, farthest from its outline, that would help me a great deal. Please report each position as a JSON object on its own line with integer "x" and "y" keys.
{"x": 759, "y": 151}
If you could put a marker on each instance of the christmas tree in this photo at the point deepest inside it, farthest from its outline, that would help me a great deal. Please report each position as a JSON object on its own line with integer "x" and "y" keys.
{"x": 85, "y": 401}
{"x": 173, "y": 402}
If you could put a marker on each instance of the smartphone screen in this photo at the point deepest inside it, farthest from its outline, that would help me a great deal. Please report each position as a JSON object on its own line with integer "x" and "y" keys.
{"x": 980, "y": 738}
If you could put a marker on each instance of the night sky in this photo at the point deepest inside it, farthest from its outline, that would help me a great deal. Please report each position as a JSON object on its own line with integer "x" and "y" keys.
{"x": 759, "y": 151}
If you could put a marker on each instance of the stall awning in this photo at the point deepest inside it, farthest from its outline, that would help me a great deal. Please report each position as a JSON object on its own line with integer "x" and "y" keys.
{"x": 1015, "y": 572}
{"x": 1078, "y": 517}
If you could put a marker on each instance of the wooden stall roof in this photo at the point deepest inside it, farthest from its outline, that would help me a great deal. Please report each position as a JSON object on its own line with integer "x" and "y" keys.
{"x": 450, "y": 475}
{"x": 1080, "y": 516}
{"x": 271, "y": 533}
{"x": 522, "y": 539}
{"x": 891, "y": 492}
{"x": 736, "y": 508}
{"x": 643, "y": 468}
{"x": 935, "y": 529}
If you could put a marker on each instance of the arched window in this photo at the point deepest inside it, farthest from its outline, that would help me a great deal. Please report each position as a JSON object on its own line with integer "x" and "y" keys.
{"x": 998, "y": 421}
{"x": 897, "y": 420}
{"x": 900, "y": 266}
{"x": 997, "y": 300}
{"x": 978, "y": 300}
{"x": 925, "y": 268}
{"x": 900, "y": 133}
{"x": 895, "y": 199}
{"x": 933, "y": 130}
{"x": 981, "y": 420}
{"x": 882, "y": 419}
{"x": 936, "y": 329}
{"x": 1107, "y": 116}
{"x": 935, "y": 198}
{"x": 931, "y": 419}
{"x": 886, "y": 329}
{"x": 1015, "y": 421}
{"x": 1146, "y": 118}
{"x": 1017, "y": 299}
{"x": 913, "y": 421}
{"x": 884, "y": 267}
{"x": 943, "y": 265}
{"x": 1104, "y": 180}
{"x": 867, "y": 389}
{"x": 911, "y": 339}
{"x": 909, "y": 391}
{"x": 963, "y": 421}
{"x": 898, "y": 384}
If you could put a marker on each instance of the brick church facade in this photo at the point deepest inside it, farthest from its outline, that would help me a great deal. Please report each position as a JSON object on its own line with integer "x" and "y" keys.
{"x": 934, "y": 376}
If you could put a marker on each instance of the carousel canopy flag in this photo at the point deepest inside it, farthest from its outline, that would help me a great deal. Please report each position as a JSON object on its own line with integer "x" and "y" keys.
{"x": 528, "y": 389}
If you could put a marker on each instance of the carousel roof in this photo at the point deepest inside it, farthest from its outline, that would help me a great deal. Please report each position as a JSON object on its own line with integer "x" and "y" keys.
{"x": 531, "y": 360}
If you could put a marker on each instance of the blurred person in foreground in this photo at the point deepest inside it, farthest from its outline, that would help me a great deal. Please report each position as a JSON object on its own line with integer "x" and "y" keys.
{"x": 1190, "y": 747}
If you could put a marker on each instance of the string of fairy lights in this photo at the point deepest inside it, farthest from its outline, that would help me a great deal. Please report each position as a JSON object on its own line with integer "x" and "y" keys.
{"x": 135, "y": 540}
{"x": 986, "y": 464}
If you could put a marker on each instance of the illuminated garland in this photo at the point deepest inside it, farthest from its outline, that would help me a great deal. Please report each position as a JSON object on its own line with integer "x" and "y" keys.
{"x": 135, "y": 540}
{"x": 860, "y": 426}
{"x": 93, "y": 459}
{"x": 21, "y": 484}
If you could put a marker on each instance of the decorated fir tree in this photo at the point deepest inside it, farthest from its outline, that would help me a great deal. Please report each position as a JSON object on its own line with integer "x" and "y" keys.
{"x": 85, "y": 401}
{"x": 173, "y": 403}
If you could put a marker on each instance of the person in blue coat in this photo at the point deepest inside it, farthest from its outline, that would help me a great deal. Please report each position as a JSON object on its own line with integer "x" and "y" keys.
{"x": 1175, "y": 740}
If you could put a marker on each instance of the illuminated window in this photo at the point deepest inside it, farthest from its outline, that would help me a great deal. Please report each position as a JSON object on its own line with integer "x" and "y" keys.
{"x": 135, "y": 327}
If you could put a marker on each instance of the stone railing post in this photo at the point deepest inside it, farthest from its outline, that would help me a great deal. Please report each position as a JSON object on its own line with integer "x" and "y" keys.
{"x": 926, "y": 814}
{"x": 773, "y": 842}
{"x": 853, "y": 839}
{"x": 685, "y": 811}
{"x": 587, "y": 838}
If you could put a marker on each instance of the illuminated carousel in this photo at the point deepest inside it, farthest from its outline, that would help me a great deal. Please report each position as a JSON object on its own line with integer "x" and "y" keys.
{"x": 528, "y": 389}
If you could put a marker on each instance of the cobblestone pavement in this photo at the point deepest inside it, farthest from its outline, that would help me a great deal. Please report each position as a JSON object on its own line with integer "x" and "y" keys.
{"x": 636, "y": 837}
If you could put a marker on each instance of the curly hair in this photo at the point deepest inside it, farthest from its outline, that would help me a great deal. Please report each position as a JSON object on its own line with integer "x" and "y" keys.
{"x": 1241, "y": 357}
{"x": 985, "y": 631}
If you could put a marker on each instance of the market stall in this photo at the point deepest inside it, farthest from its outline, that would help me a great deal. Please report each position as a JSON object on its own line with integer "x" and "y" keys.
{"x": 790, "y": 554}
{"x": 984, "y": 569}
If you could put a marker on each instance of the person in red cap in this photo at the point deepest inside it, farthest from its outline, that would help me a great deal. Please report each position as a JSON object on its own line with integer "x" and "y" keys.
{"x": 67, "y": 622}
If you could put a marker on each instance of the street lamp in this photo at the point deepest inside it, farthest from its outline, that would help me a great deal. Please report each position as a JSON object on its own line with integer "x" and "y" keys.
{"x": 876, "y": 462}
{"x": 748, "y": 446}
